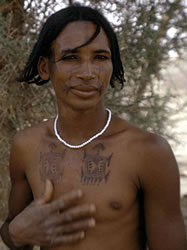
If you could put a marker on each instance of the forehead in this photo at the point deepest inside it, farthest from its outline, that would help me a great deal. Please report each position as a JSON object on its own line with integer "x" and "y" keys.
{"x": 77, "y": 33}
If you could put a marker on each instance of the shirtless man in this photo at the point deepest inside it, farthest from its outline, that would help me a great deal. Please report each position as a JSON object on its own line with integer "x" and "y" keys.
{"x": 70, "y": 190}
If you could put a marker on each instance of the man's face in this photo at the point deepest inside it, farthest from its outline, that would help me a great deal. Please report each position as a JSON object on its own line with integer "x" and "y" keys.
{"x": 80, "y": 77}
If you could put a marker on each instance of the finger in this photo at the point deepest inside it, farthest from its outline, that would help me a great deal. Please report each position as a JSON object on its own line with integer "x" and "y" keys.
{"x": 65, "y": 201}
{"x": 76, "y": 213}
{"x": 76, "y": 226}
{"x": 72, "y": 238}
{"x": 47, "y": 193}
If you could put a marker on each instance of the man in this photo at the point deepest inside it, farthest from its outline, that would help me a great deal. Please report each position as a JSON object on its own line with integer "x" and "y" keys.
{"x": 86, "y": 180}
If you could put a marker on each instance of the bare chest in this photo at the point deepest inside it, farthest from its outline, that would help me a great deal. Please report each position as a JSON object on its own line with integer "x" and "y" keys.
{"x": 102, "y": 173}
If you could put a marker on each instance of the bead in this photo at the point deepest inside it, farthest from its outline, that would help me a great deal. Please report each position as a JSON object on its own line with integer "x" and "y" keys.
{"x": 86, "y": 142}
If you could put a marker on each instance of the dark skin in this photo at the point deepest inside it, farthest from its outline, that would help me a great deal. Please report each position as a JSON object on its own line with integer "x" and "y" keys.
{"x": 121, "y": 191}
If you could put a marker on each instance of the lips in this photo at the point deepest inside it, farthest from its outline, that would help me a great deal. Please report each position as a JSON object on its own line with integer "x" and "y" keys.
{"x": 84, "y": 91}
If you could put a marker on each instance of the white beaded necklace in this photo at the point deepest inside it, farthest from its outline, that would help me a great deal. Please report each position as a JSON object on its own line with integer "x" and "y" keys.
{"x": 86, "y": 142}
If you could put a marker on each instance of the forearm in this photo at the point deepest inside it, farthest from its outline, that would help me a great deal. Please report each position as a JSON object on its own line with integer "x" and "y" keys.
{"x": 5, "y": 235}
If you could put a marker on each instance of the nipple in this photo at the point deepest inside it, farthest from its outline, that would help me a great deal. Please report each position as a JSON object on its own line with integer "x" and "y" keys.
{"x": 115, "y": 205}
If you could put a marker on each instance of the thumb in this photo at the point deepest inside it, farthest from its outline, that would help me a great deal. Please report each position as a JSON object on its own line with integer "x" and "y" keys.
{"x": 47, "y": 193}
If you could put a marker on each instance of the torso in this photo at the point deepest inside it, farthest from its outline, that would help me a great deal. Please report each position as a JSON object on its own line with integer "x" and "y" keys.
{"x": 107, "y": 171}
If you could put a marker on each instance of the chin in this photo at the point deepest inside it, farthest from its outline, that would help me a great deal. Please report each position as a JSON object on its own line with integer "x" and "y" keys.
{"x": 86, "y": 105}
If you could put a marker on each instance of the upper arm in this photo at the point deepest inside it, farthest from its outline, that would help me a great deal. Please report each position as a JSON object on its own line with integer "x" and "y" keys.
{"x": 20, "y": 193}
{"x": 161, "y": 186}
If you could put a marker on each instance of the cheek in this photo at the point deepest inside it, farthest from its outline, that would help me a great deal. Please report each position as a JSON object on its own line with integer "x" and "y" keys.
{"x": 105, "y": 73}
{"x": 109, "y": 73}
{"x": 104, "y": 77}
{"x": 61, "y": 76}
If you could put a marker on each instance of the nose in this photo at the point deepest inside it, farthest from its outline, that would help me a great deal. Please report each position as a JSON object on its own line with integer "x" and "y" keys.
{"x": 86, "y": 72}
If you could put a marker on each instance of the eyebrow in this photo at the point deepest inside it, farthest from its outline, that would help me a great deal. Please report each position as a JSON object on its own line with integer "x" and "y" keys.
{"x": 67, "y": 51}
{"x": 102, "y": 51}
{"x": 72, "y": 51}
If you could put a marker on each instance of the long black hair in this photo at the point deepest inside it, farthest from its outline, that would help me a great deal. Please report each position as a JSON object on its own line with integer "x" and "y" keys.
{"x": 52, "y": 28}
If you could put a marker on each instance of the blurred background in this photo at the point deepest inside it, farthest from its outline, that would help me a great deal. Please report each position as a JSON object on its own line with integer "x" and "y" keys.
{"x": 153, "y": 41}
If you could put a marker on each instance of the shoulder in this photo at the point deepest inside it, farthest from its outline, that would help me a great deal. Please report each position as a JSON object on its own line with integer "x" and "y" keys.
{"x": 32, "y": 135}
{"x": 149, "y": 144}
{"x": 156, "y": 163}
{"x": 26, "y": 141}
{"x": 152, "y": 150}
{"x": 150, "y": 153}
{"x": 140, "y": 140}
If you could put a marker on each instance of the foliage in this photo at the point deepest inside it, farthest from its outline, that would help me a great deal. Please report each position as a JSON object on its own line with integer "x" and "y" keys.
{"x": 143, "y": 29}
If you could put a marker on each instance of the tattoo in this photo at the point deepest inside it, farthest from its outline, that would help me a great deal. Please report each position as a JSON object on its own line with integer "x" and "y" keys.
{"x": 52, "y": 166}
{"x": 95, "y": 166}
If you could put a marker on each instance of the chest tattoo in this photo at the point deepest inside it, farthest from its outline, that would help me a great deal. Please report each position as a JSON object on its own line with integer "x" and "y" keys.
{"x": 95, "y": 168}
{"x": 52, "y": 165}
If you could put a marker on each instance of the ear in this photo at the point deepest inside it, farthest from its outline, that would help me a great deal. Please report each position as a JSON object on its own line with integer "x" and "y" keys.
{"x": 43, "y": 68}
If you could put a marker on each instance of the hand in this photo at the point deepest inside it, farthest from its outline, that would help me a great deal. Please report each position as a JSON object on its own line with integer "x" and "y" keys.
{"x": 52, "y": 223}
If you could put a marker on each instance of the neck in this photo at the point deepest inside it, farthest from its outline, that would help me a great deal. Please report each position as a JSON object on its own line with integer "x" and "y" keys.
{"x": 77, "y": 126}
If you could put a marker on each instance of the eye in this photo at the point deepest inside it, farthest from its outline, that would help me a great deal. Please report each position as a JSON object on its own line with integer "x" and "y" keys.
{"x": 70, "y": 57}
{"x": 101, "y": 57}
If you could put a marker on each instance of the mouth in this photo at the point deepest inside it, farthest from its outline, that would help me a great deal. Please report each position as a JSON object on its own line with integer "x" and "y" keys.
{"x": 84, "y": 91}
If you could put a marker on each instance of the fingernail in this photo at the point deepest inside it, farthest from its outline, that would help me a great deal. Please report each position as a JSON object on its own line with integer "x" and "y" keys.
{"x": 92, "y": 208}
{"x": 82, "y": 235}
{"x": 92, "y": 223}
{"x": 79, "y": 192}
